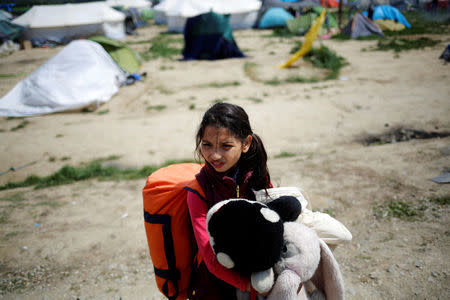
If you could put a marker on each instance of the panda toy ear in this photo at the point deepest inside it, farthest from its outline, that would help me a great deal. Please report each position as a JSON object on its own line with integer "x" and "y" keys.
{"x": 246, "y": 236}
{"x": 288, "y": 207}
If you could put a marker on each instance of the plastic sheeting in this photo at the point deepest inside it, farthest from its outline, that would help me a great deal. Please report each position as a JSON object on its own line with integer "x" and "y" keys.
{"x": 81, "y": 74}
{"x": 63, "y": 23}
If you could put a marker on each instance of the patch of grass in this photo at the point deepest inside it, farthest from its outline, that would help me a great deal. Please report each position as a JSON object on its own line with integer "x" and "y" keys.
{"x": 10, "y": 235}
{"x": 52, "y": 159}
{"x": 280, "y": 33}
{"x": 11, "y": 75}
{"x": 284, "y": 154}
{"x": 64, "y": 158}
{"x": 324, "y": 58}
{"x": 12, "y": 201}
{"x": 400, "y": 210}
{"x": 164, "y": 90}
{"x": 103, "y": 112}
{"x": 222, "y": 99}
{"x": 164, "y": 68}
{"x": 301, "y": 79}
{"x": 59, "y": 135}
{"x": 69, "y": 174}
{"x": 255, "y": 99}
{"x": 14, "y": 198}
{"x": 162, "y": 47}
{"x": 329, "y": 211}
{"x": 402, "y": 44}
{"x": 219, "y": 84}
{"x": 249, "y": 70}
{"x": 273, "y": 81}
{"x": 191, "y": 106}
{"x": 444, "y": 200}
{"x": 52, "y": 204}
{"x": 21, "y": 125}
{"x": 156, "y": 107}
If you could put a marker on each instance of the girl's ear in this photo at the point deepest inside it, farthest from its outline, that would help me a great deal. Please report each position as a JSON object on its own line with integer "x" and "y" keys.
{"x": 246, "y": 144}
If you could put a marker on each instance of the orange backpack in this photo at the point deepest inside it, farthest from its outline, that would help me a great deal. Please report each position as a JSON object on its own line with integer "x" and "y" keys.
{"x": 168, "y": 226}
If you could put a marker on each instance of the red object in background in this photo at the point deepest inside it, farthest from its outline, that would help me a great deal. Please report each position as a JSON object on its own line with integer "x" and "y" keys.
{"x": 329, "y": 3}
{"x": 440, "y": 4}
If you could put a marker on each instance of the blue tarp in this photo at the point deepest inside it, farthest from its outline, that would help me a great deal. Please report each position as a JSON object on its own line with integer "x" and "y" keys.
{"x": 275, "y": 17}
{"x": 387, "y": 12}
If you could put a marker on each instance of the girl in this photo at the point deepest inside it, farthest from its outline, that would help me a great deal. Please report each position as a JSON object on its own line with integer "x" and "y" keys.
{"x": 235, "y": 163}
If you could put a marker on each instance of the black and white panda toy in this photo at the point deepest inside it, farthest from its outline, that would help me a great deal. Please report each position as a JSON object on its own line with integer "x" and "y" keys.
{"x": 247, "y": 236}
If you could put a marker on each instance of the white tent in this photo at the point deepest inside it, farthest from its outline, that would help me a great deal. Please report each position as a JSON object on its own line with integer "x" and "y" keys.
{"x": 65, "y": 22}
{"x": 175, "y": 12}
{"x": 81, "y": 74}
{"x": 139, "y": 4}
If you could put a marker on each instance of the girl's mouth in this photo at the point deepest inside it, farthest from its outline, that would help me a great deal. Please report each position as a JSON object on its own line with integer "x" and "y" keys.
{"x": 217, "y": 164}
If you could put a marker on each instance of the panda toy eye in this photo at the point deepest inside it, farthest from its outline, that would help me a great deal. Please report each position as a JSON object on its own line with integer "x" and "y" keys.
{"x": 289, "y": 250}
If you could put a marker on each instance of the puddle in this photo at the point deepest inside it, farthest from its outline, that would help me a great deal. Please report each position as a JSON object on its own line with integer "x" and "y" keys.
{"x": 402, "y": 134}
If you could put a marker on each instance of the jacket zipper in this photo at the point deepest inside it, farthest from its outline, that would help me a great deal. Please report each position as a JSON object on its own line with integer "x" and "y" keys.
{"x": 237, "y": 191}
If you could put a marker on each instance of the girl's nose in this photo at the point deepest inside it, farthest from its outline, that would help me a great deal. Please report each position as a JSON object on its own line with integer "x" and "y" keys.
{"x": 215, "y": 155}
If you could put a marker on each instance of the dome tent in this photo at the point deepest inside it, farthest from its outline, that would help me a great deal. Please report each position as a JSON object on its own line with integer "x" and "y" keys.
{"x": 360, "y": 25}
{"x": 209, "y": 36}
{"x": 81, "y": 74}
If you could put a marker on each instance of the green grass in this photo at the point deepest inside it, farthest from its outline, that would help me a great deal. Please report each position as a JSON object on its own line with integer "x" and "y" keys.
{"x": 221, "y": 99}
{"x": 21, "y": 125}
{"x": 323, "y": 58}
{"x": 402, "y": 44}
{"x": 301, "y": 79}
{"x": 103, "y": 112}
{"x": 329, "y": 211}
{"x": 273, "y": 81}
{"x": 69, "y": 174}
{"x": 219, "y": 84}
{"x": 282, "y": 32}
{"x": 400, "y": 210}
{"x": 249, "y": 70}
{"x": 156, "y": 107}
{"x": 284, "y": 154}
{"x": 162, "y": 46}
{"x": 255, "y": 99}
{"x": 11, "y": 75}
{"x": 444, "y": 200}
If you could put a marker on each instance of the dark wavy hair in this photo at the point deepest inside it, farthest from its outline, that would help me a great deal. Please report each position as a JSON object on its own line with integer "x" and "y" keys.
{"x": 235, "y": 119}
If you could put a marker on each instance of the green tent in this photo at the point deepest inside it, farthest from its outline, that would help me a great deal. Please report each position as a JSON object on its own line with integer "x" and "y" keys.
{"x": 128, "y": 59}
{"x": 9, "y": 31}
{"x": 300, "y": 25}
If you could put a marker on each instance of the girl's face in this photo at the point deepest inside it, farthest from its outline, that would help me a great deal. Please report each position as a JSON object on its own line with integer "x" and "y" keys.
{"x": 222, "y": 149}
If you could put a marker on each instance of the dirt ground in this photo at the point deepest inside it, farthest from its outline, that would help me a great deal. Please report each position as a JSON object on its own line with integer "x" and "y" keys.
{"x": 86, "y": 240}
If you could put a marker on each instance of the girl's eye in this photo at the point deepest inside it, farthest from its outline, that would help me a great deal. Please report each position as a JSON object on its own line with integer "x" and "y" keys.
{"x": 205, "y": 145}
{"x": 227, "y": 146}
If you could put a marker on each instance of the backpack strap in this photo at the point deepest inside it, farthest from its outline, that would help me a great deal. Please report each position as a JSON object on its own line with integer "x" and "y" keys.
{"x": 172, "y": 274}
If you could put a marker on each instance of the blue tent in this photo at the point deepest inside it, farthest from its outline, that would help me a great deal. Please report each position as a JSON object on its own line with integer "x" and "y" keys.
{"x": 387, "y": 12}
{"x": 209, "y": 36}
{"x": 275, "y": 17}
